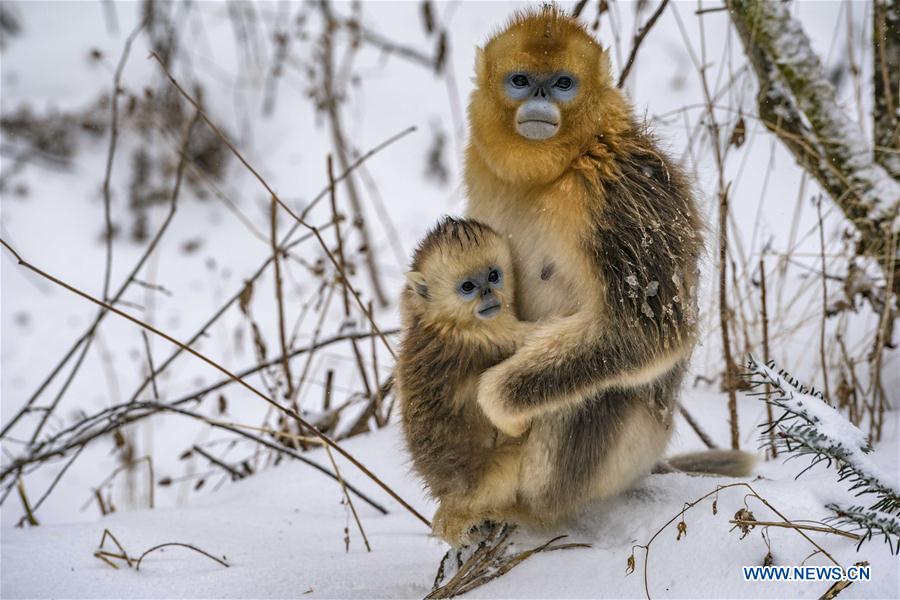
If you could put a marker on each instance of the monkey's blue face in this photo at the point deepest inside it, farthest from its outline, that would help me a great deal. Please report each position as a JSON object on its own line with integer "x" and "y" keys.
{"x": 480, "y": 288}
{"x": 539, "y": 116}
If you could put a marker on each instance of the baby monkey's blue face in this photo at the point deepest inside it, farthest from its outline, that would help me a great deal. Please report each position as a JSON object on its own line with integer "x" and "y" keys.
{"x": 539, "y": 116}
{"x": 480, "y": 288}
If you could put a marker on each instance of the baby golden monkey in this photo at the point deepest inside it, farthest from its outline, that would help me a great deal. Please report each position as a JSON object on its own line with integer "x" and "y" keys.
{"x": 605, "y": 237}
{"x": 458, "y": 321}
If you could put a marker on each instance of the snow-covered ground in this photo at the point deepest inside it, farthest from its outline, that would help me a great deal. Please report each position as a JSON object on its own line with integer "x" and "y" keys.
{"x": 282, "y": 534}
{"x": 282, "y": 530}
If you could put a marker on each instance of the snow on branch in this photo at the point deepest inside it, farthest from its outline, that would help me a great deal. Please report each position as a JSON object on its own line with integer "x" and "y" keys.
{"x": 807, "y": 426}
{"x": 798, "y": 103}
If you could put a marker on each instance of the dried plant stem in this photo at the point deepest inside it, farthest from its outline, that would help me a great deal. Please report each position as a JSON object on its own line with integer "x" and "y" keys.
{"x": 29, "y": 514}
{"x": 879, "y": 398}
{"x": 311, "y": 228}
{"x": 638, "y": 40}
{"x": 113, "y": 139}
{"x": 704, "y": 437}
{"x": 137, "y": 565}
{"x": 151, "y": 479}
{"x": 235, "y": 474}
{"x": 337, "y": 472}
{"x": 279, "y": 295}
{"x": 822, "y": 355}
{"x": 488, "y": 562}
{"x": 839, "y": 586}
{"x": 86, "y": 338}
{"x": 109, "y": 534}
{"x": 56, "y": 479}
{"x": 795, "y": 525}
{"x": 289, "y": 411}
{"x": 773, "y": 447}
{"x": 689, "y": 505}
{"x": 340, "y": 146}
{"x": 284, "y": 246}
{"x": 722, "y": 191}
{"x": 152, "y": 371}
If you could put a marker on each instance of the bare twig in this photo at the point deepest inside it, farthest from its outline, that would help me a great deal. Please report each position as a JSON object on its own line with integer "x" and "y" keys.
{"x": 86, "y": 338}
{"x": 689, "y": 505}
{"x": 337, "y": 472}
{"x": 704, "y": 437}
{"x": 150, "y": 365}
{"x": 279, "y": 296}
{"x": 488, "y": 561}
{"x": 109, "y": 534}
{"x": 113, "y": 139}
{"x": 289, "y": 411}
{"x": 795, "y": 525}
{"x": 235, "y": 474}
{"x": 796, "y": 98}
{"x": 137, "y": 565}
{"x": 839, "y": 586}
{"x": 312, "y": 229}
{"x": 824, "y": 315}
{"x": 722, "y": 190}
{"x": 639, "y": 39}
{"x": 340, "y": 145}
{"x": 29, "y": 514}
{"x": 773, "y": 447}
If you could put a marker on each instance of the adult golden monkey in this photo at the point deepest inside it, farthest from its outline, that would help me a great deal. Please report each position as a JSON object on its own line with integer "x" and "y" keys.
{"x": 606, "y": 239}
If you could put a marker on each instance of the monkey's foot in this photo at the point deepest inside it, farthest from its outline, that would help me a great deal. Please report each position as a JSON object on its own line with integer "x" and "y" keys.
{"x": 461, "y": 527}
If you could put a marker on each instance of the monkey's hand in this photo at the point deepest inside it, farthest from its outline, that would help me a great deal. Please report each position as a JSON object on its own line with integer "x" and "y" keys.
{"x": 565, "y": 362}
{"x": 490, "y": 399}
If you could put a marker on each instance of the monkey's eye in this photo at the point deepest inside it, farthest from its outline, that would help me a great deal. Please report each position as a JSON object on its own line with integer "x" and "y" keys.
{"x": 563, "y": 83}
{"x": 494, "y": 276}
{"x": 519, "y": 80}
{"x": 467, "y": 286}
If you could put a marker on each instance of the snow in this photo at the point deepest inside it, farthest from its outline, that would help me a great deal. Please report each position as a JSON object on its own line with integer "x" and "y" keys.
{"x": 836, "y": 430}
{"x": 836, "y": 135}
{"x": 282, "y": 535}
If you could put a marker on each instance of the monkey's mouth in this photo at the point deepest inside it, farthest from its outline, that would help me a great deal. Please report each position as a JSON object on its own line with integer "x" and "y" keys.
{"x": 537, "y": 129}
{"x": 488, "y": 312}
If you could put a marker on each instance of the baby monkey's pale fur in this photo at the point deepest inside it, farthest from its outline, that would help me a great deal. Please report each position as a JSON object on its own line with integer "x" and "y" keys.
{"x": 468, "y": 465}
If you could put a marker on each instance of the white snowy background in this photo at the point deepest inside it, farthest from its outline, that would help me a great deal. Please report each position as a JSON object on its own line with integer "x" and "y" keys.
{"x": 282, "y": 529}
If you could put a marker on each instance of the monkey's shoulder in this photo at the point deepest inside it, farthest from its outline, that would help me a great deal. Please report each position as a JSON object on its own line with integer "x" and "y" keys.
{"x": 645, "y": 237}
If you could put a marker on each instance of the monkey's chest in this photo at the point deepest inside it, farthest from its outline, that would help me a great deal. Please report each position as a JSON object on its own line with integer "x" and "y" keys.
{"x": 548, "y": 277}
{"x": 552, "y": 272}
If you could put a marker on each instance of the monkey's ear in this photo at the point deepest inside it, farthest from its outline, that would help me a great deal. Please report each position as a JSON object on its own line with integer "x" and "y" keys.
{"x": 416, "y": 282}
{"x": 480, "y": 65}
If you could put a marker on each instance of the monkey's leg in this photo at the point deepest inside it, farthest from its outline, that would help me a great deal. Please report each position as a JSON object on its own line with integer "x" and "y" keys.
{"x": 492, "y": 499}
{"x": 593, "y": 450}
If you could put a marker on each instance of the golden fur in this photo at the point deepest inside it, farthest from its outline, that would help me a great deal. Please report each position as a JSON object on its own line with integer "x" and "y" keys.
{"x": 605, "y": 240}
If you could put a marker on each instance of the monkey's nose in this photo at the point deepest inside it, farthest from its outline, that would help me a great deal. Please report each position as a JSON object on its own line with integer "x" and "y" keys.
{"x": 540, "y": 93}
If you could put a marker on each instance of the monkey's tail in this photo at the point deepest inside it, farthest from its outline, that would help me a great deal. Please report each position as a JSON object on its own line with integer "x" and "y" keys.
{"x": 729, "y": 463}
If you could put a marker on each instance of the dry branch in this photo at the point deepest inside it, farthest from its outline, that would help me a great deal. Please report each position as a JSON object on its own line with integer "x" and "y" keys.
{"x": 798, "y": 103}
{"x": 137, "y": 566}
{"x": 487, "y": 560}
{"x": 638, "y": 40}
{"x": 288, "y": 411}
{"x": 886, "y": 80}
{"x": 299, "y": 219}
